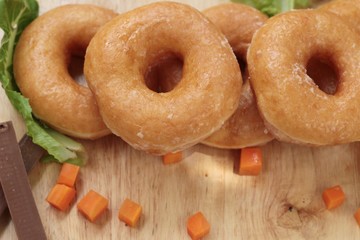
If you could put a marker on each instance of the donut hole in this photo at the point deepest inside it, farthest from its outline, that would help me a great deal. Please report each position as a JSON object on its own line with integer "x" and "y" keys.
{"x": 324, "y": 74}
{"x": 76, "y": 69}
{"x": 243, "y": 67}
{"x": 165, "y": 74}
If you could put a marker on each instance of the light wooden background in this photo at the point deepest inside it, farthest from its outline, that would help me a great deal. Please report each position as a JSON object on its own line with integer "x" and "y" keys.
{"x": 284, "y": 202}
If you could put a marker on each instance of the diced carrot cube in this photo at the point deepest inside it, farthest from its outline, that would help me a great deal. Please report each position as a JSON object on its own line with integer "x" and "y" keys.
{"x": 172, "y": 157}
{"x": 333, "y": 197}
{"x": 130, "y": 212}
{"x": 68, "y": 174}
{"x": 250, "y": 161}
{"x": 61, "y": 196}
{"x": 197, "y": 226}
{"x": 92, "y": 205}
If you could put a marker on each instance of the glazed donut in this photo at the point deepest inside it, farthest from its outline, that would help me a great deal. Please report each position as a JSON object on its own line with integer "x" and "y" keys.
{"x": 245, "y": 127}
{"x": 117, "y": 60}
{"x": 348, "y": 10}
{"x": 293, "y": 106}
{"x": 238, "y": 22}
{"x": 41, "y": 62}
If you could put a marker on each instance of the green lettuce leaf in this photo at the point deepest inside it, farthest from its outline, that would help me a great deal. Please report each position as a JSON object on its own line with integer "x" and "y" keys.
{"x": 273, "y": 7}
{"x": 15, "y": 15}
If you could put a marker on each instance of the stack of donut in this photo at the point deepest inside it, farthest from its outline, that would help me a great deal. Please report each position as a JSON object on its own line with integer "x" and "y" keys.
{"x": 165, "y": 76}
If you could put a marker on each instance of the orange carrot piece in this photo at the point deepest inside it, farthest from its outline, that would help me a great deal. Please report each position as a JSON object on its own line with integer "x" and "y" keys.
{"x": 197, "y": 226}
{"x": 92, "y": 205}
{"x": 61, "y": 196}
{"x": 130, "y": 212}
{"x": 333, "y": 197}
{"x": 172, "y": 157}
{"x": 357, "y": 216}
{"x": 68, "y": 174}
{"x": 250, "y": 161}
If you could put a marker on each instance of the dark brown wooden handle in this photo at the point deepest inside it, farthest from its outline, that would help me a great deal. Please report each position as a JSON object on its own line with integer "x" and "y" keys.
{"x": 16, "y": 187}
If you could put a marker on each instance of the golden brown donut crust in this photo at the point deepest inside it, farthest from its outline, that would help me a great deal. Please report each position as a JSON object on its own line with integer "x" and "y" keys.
{"x": 348, "y": 10}
{"x": 238, "y": 22}
{"x": 41, "y": 63}
{"x": 117, "y": 60}
{"x": 294, "y": 108}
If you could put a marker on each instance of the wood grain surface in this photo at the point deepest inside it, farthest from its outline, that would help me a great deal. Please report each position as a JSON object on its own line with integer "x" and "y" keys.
{"x": 284, "y": 202}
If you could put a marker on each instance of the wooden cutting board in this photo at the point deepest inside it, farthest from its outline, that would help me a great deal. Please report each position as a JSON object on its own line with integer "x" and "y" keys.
{"x": 284, "y": 202}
